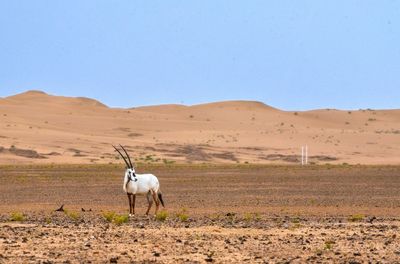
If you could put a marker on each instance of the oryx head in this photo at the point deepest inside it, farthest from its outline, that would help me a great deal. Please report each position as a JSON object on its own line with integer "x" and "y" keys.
{"x": 130, "y": 170}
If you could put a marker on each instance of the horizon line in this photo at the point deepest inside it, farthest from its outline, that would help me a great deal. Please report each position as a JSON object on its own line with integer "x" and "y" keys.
{"x": 197, "y": 104}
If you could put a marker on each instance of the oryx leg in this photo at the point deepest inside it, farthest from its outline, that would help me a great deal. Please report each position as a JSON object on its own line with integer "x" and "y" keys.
{"x": 155, "y": 200}
{"x": 133, "y": 203}
{"x": 130, "y": 203}
{"x": 150, "y": 201}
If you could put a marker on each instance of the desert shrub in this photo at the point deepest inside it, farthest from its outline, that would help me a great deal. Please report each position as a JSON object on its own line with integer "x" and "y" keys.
{"x": 109, "y": 216}
{"x": 72, "y": 215}
{"x": 356, "y": 218}
{"x": 112, "y": 217}
{"x": 252, "y": 217}
{"x": 17, "y": 217}
{"x": 149, "y": 158}
{"x": 248, "y": 217}
{"x": 215, "y": 216}
{"x": 329, "y": 244}
{"x": 296, "y": 220}
{"x": 182, "y": 215}
{"x": 48, "y": 220}
{"x": 161, "y": 216}
{"x": 120, "y": 219}
{"x": 168, "y": 162}
{"x": 231, "y": 217}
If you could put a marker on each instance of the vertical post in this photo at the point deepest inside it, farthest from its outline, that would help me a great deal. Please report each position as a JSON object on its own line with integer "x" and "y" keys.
{"x": 306, "y": 154}
{"x": 302, "y": 155}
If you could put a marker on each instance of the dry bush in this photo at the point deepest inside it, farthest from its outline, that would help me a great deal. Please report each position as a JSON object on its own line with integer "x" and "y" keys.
{"x": 17, "y": 217}
{"x": 162, "y": 216}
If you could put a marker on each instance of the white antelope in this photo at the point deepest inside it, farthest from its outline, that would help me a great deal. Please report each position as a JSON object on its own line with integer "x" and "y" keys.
{"x": 140, "y": 184}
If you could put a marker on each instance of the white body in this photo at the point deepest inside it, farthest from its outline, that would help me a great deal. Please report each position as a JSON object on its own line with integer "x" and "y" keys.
{"x": 140, "y": 183}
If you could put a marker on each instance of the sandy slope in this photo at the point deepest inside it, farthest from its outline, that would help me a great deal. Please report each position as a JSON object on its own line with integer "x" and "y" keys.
{"x": 81, "y": 130}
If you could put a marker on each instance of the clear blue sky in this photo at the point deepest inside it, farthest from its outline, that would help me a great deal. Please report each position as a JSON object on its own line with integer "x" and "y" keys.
{"x": 289, "y": 54}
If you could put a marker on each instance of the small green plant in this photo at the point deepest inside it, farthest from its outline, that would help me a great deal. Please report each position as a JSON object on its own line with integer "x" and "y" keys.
{"x": 112, "y": 217}
{"x": 248, "y": 217}
{"x": 182, "y": 215}
{"x": 121, "y": 219}
{"x": 231, "y": 217}
{"x": 72, "y": 215}
{"x": 17, "y": 217}
{"x": 356, "y": 218}
{"x": 161, "y": 216}
{"x": 168, "y": 162}
{"x": 109, "y": 216}
{"x": 149, "y": 158}
{"x": 329, "y": 244}
{"x": 252, "y": 217}
{"x": 48, "y": 220}
{"x": 295, "y": 220}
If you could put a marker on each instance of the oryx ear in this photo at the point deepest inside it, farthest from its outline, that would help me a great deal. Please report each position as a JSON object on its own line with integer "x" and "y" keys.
{"x": 127, "y": 165}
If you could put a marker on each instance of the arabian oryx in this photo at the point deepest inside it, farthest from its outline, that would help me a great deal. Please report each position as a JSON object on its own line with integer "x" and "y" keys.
{"x": 140, "y": 184}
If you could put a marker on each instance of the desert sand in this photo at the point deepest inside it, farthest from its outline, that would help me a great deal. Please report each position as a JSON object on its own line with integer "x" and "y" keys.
{"x": 39, "y": 128}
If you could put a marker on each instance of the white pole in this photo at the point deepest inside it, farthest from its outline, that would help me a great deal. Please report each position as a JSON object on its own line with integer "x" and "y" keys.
{"x": 306, "y": 154}
{"x": 302, "y": 155}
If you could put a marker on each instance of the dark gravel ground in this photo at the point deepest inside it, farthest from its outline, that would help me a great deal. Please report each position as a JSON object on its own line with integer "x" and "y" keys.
{"x": 236, "y": 214}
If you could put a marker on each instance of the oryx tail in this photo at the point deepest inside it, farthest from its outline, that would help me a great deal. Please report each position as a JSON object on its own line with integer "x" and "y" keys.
{"x": 159, "y": 194}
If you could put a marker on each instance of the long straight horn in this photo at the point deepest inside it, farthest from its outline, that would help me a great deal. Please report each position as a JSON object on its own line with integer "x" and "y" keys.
{"x": 127, "y": 165}
{"x": 130, "y": 162}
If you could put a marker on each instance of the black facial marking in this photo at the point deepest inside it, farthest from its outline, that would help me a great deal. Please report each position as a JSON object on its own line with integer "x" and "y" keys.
{"x": 132, "y": 176}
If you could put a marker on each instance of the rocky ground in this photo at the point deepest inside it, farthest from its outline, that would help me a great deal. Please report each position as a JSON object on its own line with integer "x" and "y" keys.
{"x": 90, "y": 238}
{"x": 220, "y": 214}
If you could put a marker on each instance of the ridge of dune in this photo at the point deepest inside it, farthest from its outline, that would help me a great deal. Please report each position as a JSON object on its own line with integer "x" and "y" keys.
{"x": 28, "y": 94}
{"x": 163, "y": 108}
{"x": 213, "y": 106}
{"x": 90, "y": 101}
{"x": 237, "y": 104}
{"x": 36, "y": 96}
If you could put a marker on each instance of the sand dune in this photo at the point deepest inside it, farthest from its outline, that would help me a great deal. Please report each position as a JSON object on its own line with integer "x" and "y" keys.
{"x": 39, "y": 128}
